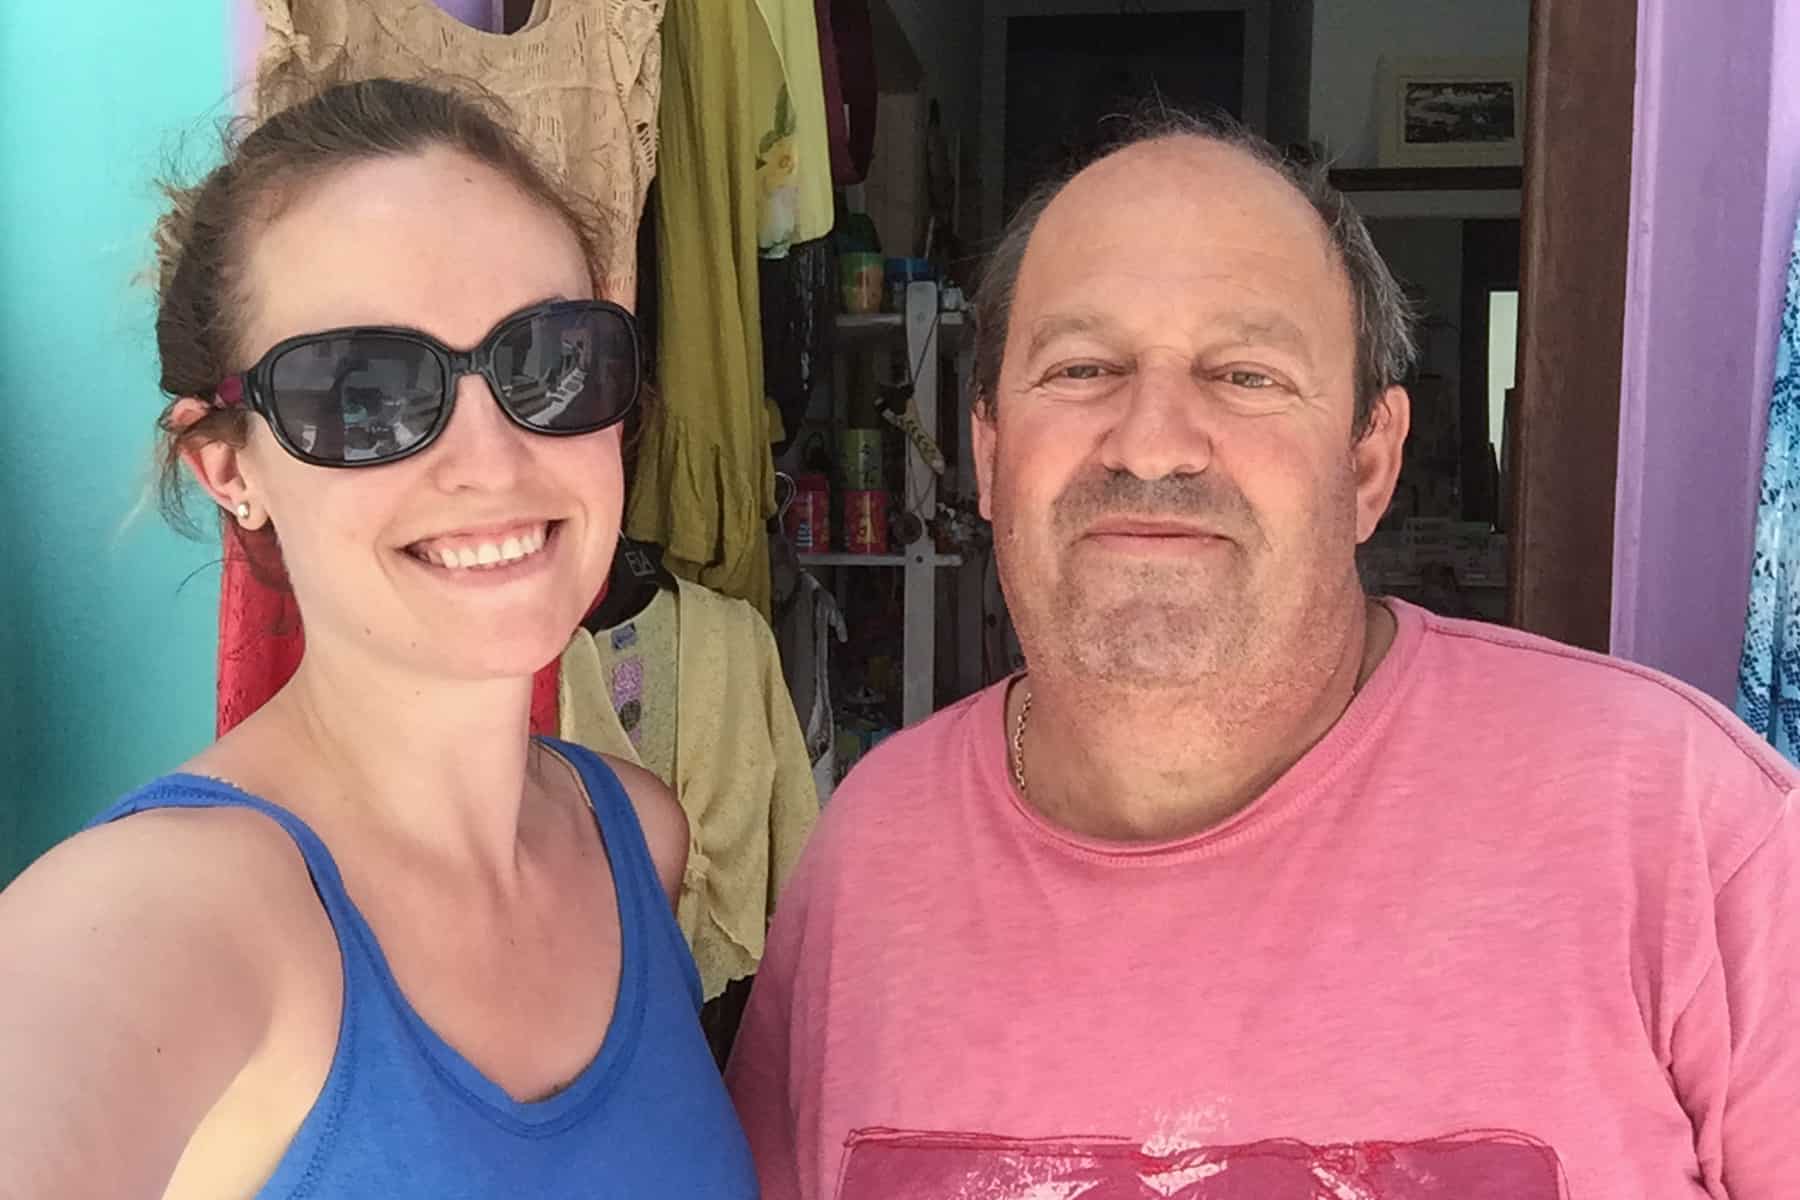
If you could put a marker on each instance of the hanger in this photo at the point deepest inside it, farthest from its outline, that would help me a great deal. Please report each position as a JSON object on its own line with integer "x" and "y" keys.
{"x": 637, "y": 576}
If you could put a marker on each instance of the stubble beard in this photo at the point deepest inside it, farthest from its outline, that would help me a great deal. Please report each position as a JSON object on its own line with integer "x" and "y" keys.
{"x": 1151, "y": 627}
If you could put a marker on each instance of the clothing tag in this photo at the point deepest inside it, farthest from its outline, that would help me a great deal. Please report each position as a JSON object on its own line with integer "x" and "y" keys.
{"x": 637, "y": 575}
{"x": 640, "y": 564}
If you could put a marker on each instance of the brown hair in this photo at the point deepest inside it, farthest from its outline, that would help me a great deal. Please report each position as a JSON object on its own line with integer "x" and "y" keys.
{"x": 201, "y": 240}
{"x": 1386, "y": 341}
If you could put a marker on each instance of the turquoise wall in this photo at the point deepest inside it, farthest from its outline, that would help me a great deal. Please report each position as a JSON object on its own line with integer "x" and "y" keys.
{"x": 106, "y": 623}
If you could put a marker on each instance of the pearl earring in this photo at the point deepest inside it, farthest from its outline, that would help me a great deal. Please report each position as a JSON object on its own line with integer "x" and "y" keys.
{"x": 243, "y": 510}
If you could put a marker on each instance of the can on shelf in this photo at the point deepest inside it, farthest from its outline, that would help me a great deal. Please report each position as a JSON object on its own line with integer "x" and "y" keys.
{"x": 866, "y": 521}
{"x": 808, "y": 519}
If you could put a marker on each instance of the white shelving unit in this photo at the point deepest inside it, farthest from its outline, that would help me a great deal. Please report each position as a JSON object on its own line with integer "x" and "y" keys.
{"x": 835, "y": 559}
{"x": 922, "y": 334}
{"x": 884, "y": 324}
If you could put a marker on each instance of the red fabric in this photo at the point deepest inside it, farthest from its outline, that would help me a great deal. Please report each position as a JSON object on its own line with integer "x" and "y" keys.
{"x": 546, "y": 715}
{"x": 847, "y": 62}
{"x": 261, "y": 641}
{"x": 837, "y": 128}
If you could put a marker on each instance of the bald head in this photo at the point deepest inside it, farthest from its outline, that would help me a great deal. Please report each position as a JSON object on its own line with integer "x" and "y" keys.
{"x": 1180, "y": 173}
{"x": 1185, "y": 176}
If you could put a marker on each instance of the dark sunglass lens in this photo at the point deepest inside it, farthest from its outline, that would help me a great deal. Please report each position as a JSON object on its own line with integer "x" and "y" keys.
{"x": 358, "y": 398}
{"x": 569, "y": 370}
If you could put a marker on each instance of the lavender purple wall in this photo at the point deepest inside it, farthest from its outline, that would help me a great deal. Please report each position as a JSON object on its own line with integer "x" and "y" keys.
{"x": 1716, "y": 183}
{"x": 244, "y": 27}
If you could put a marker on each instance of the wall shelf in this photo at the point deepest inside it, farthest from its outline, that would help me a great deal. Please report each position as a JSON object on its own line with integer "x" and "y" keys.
{"x": 858, "y": 327}
{"x": 1433, "y": 193}
{"x": 921, "y": 559}
{"x": 1429, "y": 179}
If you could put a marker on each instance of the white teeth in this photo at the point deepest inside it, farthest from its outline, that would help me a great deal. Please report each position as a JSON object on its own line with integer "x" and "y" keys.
{"x": 487, "y": 554}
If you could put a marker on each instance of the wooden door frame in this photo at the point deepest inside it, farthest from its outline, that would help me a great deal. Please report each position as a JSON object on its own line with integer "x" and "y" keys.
{"x": 1580, "y": 95}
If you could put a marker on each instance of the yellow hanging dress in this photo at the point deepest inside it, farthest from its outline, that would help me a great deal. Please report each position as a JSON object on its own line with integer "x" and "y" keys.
{"x": 745, "y": 170}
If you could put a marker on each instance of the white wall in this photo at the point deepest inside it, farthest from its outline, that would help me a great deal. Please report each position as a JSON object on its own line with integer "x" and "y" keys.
{"x": 943, "y": 38}
{"x": 1351, "y": 36}
{"x": 1503, "y": 362}
{"x": 946, "y": 35}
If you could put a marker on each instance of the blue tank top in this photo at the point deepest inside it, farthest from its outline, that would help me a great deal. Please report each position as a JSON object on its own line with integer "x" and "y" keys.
{"x": 403, "y": 1115}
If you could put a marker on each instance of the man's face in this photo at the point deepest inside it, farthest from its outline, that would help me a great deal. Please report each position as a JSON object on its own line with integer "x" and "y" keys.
{"x": 1169, "y": 463}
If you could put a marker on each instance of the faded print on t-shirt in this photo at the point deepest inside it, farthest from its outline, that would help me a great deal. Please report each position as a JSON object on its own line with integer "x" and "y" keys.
{"x": 886, "y": 1164}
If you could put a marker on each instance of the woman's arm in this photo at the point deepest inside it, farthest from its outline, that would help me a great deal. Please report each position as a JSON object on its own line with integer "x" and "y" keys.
{"x": 134, "y": 987}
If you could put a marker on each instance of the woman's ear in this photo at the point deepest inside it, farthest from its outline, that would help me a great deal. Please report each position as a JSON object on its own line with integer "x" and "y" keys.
{"x": 217, "y": 465}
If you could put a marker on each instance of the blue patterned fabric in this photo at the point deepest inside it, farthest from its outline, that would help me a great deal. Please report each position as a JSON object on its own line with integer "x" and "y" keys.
{"x": 1769, "y": 673}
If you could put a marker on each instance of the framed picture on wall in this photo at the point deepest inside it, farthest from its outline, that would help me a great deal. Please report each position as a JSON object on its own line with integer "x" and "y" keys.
{"x": 1451, "y": 112}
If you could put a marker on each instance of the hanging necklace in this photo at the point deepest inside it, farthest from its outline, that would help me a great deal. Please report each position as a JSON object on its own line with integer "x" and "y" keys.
{"x": 1018, "y": 744}
{"x": 1018, "y": 737}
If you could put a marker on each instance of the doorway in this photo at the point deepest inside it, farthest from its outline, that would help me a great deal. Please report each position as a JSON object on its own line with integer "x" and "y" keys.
{"x": 1526, "y": 260}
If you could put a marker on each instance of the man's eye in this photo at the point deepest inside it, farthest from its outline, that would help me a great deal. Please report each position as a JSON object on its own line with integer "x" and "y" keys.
{"x": 1253, "y": 380}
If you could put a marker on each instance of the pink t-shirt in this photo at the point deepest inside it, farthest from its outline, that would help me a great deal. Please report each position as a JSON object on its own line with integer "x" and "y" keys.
{"x": 1525, "y": 925}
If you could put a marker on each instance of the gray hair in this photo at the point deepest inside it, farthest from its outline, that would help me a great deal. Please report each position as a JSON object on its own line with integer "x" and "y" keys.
{"x": 1386, "y": 339}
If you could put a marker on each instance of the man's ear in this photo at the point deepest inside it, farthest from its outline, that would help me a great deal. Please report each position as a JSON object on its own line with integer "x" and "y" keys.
{"x": 984, "y": 439}
{"x": 217, "y": 466}
{"x": 1377, "y": 457}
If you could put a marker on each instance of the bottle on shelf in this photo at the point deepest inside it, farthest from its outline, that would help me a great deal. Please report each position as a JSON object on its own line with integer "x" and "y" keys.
{"x": 860, "y": 461}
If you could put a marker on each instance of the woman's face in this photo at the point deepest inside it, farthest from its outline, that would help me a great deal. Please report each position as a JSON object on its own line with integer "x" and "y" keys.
{"x": 439, "y": 243}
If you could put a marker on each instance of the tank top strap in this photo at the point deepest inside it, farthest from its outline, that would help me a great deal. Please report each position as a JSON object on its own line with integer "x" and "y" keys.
{"x": 182, "y": 790}
{"x": 634, "y": 870}
{"x": 640, "y": 893}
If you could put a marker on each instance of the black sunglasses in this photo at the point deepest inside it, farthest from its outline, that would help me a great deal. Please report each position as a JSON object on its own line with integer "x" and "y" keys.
{"x": 364, "y": 396}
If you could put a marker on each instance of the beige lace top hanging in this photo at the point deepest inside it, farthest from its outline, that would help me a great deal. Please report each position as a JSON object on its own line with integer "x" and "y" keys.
{"x": 582, "y": 78}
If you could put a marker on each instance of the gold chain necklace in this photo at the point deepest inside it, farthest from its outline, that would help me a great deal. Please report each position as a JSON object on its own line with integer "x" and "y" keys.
{"x": 1018, "y": 745}
{"x": 1018, "y": 737}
